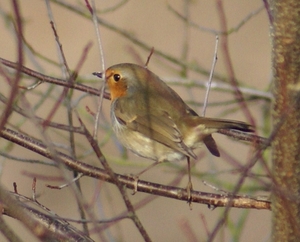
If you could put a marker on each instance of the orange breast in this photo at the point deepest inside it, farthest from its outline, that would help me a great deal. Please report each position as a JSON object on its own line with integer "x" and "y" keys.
{"x": 116, "y": 89}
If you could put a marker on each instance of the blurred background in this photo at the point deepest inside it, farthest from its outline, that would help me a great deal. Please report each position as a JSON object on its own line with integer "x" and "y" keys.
{"x": 158, "y": 24}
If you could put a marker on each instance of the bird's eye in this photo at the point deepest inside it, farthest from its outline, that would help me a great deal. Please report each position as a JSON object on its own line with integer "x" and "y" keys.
{"x": 117, "y": 77}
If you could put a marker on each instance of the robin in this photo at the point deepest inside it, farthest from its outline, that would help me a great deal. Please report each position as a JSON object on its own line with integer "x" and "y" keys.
{"x": 150, "y": 118}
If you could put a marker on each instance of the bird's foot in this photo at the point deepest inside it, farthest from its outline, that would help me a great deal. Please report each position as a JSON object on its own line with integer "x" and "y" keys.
{"x": 135, "y": 184}
{"x": 189, "y": 189}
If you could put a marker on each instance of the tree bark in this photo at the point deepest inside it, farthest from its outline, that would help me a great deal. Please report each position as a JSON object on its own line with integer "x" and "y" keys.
{"x": 285, "y": 35}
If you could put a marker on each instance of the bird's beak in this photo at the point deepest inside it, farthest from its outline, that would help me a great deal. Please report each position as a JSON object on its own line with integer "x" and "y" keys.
{"x": 98, "y": 74}
{"x": 101, "y": 75}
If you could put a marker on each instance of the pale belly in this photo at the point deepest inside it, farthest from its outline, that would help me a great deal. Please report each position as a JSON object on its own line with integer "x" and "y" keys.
{"x": 143, "y": 146}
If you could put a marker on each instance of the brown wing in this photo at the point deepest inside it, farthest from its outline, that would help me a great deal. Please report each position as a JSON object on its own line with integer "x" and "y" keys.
{"x": 159, "y": 128}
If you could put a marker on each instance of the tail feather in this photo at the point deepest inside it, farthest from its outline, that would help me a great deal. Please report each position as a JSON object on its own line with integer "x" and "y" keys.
{"x": 211, "y": 145}
{"x": 219, "y": 124}
{"x": 227, "y": 124}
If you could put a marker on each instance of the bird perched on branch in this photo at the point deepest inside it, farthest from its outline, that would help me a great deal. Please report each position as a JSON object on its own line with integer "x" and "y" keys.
{"x": 150, "y": 119}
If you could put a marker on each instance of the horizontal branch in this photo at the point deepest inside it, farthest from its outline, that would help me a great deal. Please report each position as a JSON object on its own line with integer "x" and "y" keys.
{"x": 210, "y": 199}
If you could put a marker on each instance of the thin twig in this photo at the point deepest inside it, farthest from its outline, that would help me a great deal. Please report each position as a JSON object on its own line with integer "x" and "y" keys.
{"x": 115, "y": 179}
{"x": 210, "y": 76}
{"x": 229, "y": 66}
{"x": 15, "y": 83}
{"x": 213, "y": 31}
{"x": 52, "y": 80}
{"x": 101, "y": 55}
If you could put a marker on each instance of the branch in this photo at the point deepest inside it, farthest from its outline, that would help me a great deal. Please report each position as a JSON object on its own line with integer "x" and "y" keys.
{"x": 212, "y": 200}
{"x": 54, "y": 227}
{"x": 53, "y": 80}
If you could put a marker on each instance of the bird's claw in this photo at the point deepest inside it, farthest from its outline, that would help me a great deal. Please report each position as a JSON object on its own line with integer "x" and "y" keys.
{"x": 189, "y": 189}
{"x": 135, "y": 185}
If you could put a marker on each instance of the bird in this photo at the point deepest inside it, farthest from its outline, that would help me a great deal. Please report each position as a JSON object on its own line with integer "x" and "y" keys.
{"x": 150, "y": 119}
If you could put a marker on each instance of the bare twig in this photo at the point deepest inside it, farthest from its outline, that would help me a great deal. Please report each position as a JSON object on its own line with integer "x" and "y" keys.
{"x": 45, "y": 225}
{"x": 229, "y": 66}
{"x": 15, "y": 83}
{"x": 101, "y": 55}
{"x": 56, "y": 81}
{"x": 213, "y": 31}
{"x": 115, "y": 179}
{"x": 210, "y": 76}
